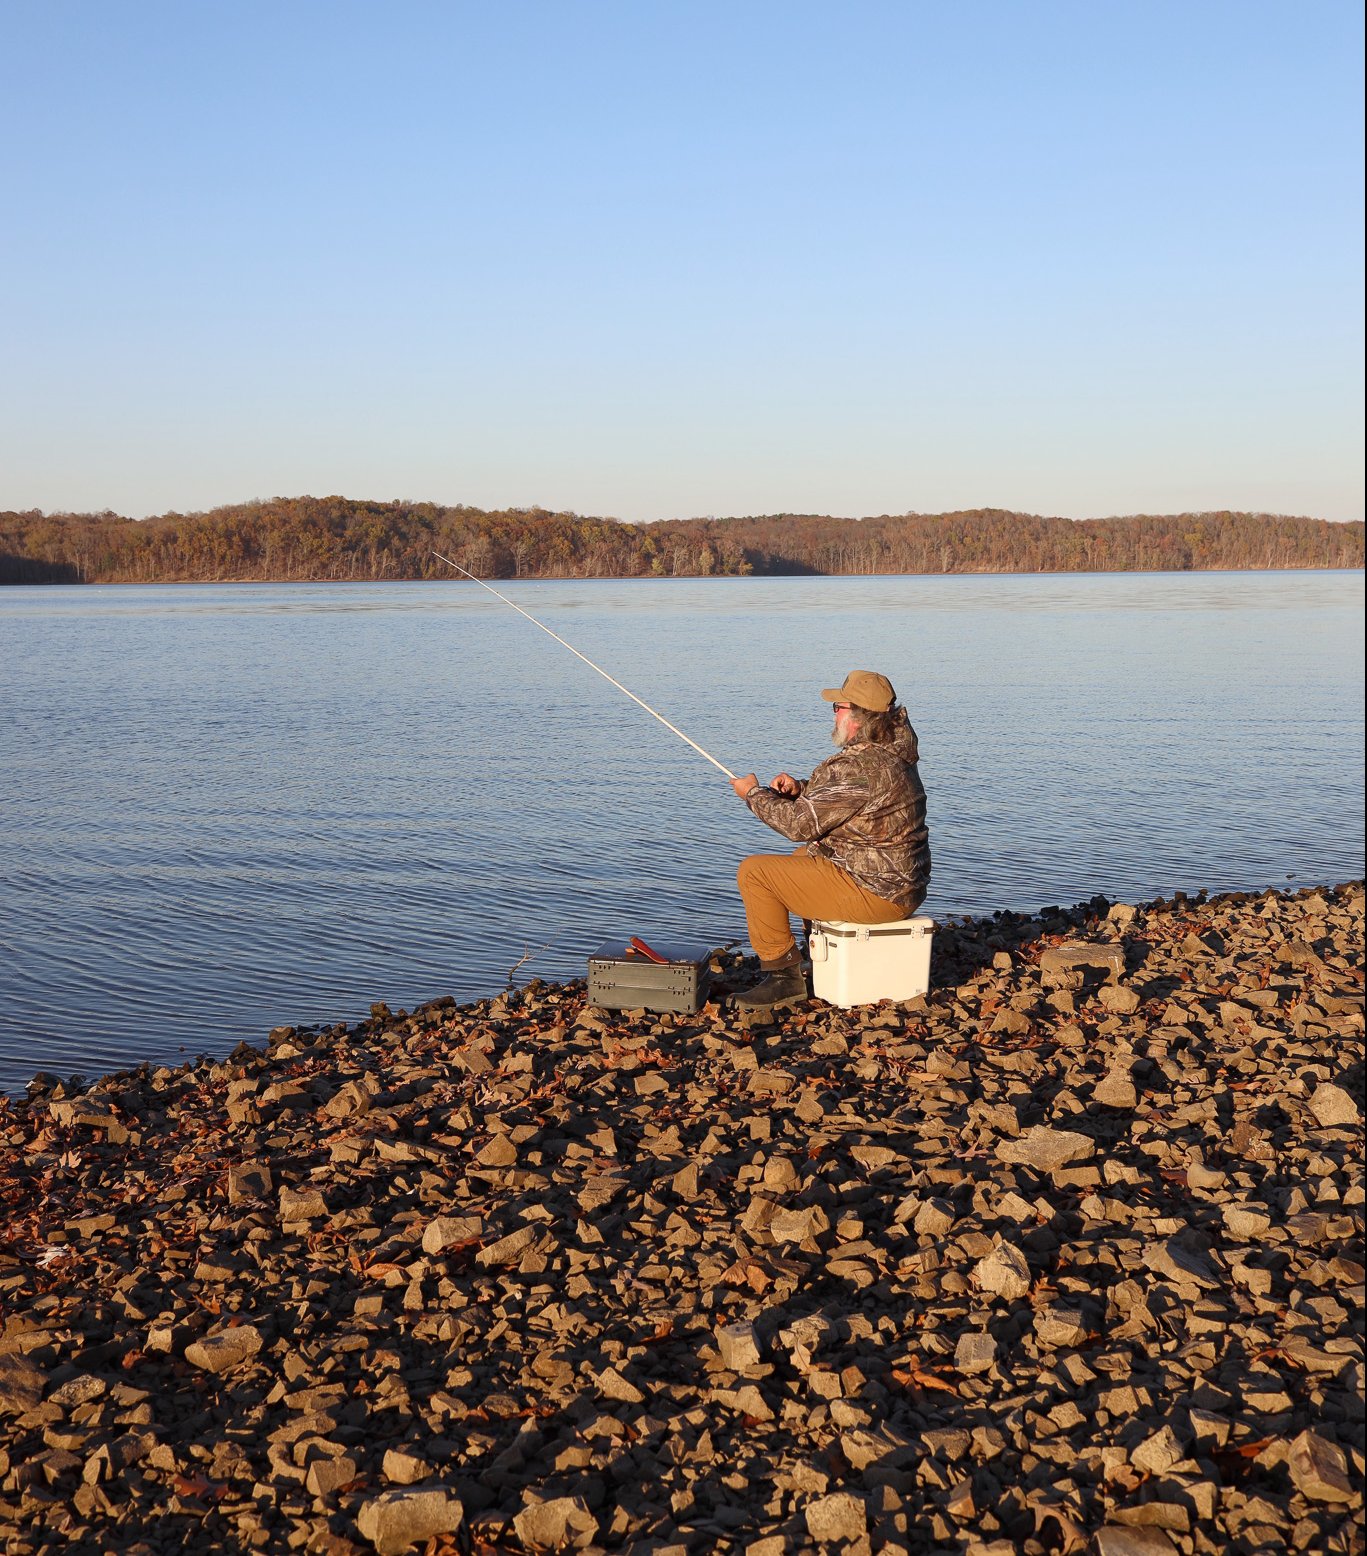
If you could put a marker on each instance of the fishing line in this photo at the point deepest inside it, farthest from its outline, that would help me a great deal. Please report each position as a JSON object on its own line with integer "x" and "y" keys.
{"x": 589, "y": 662}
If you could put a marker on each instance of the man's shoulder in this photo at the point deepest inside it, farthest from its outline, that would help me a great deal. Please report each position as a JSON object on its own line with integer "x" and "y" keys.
{"x": 858, "y": 759}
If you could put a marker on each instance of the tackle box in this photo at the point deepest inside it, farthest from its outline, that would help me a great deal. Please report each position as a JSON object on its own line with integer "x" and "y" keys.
{"x": 622, "y": 978}
{"x": 859, "y": 964}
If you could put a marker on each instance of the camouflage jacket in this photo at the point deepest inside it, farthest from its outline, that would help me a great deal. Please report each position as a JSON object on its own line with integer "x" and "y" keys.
{"x": 864, "y": 809}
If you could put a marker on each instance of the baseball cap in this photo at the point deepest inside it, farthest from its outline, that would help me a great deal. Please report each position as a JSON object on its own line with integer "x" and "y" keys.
{"x": 865, "y": 689}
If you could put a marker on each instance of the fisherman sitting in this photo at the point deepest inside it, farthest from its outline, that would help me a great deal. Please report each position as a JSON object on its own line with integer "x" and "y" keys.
{"x": 862, "y": 819}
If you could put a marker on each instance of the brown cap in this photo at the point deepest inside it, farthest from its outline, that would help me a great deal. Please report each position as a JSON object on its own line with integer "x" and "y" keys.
{"x": 865, "y": 689}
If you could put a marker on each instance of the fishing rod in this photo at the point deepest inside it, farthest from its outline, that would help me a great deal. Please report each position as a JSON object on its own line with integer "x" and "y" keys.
{"x": 589, "y": 662}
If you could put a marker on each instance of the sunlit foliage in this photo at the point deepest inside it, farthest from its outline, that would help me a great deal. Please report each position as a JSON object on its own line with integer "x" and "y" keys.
{"x": 337, "y": 538}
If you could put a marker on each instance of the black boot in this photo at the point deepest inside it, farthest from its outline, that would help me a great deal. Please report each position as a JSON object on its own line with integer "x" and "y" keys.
{"x": 784, "y": 986}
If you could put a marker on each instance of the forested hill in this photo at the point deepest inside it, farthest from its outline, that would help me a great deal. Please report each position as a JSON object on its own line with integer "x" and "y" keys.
{"x": 309, "y": 538}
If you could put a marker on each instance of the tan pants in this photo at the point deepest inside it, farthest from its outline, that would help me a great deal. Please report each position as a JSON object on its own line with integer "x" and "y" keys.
{"x": 772, "y": 886}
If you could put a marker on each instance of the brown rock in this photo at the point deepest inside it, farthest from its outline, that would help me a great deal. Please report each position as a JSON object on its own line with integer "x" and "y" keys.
{"x": 302, "y": 1205}
{"x": 1116, "y": 1089}
{"x": 1335, "y": 1108}
{"x": 396, "y": 1520}
{"x": 1158, "y": 1453}
{"x": 1064, "y": 958}
{"x": 1319, "y": 1469}
{"x": 498, "y": 1152}
{"x": 1004, "y": 1272}
{"x": 327, "y": 1474}
{"x": 1180, "y": 1264}
{"x": 21, "y": 1385}
{"x": 552, "y": 1525}
{"x": 404, "y": 1467}
{"x": 248, "y": 1181}
{"x": 446, "y": 1231}
{"x": 836, "y": 1517}
{"x": 612, "y": 1385}
{"x": 1117, "y": 1540}
{"x": 738, "y": 1346}
{"x": 349, "y": 1101}
{"x": 1047, "y": 1149}
{"x": 225, "y": 1349}
{"x": 1117, "y": 999}
{"x": 975, "y": 1353}
{"x": 509, "y": 1249}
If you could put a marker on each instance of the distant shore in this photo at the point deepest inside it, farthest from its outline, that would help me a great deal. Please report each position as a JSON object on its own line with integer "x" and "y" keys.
{"x": 342, "y": 539}
{"x": 551, "y": 578}
{"x": 1070, "y": 1249}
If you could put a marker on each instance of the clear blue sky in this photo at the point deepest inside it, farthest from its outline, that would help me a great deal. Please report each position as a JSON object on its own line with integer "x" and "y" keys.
{"x": 651, "y": 259}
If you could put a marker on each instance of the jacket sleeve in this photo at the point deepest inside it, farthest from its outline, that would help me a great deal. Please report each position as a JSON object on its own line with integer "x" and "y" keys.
{"x": 835, "y": 792}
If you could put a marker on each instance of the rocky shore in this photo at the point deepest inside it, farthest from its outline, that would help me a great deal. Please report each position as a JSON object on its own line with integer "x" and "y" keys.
{"x": 1065, "y": 1256}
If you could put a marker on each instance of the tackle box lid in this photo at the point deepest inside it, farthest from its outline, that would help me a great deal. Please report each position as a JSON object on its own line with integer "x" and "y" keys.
{"x": 678, "y": 953}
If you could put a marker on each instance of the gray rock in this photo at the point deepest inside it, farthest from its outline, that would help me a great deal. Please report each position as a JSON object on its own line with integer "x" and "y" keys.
{"x": 396, "y": 1520}
{"x": 766, "y": 1545}
{"x": 863, "y": 1446}
{"x": 349, "y": 1101}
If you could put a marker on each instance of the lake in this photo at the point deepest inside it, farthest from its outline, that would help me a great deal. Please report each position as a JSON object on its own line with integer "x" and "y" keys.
{"x": 228, "y": 808}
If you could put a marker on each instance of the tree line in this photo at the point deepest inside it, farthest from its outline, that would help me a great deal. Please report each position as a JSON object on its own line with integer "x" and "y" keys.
{"x": 289, "y": 539}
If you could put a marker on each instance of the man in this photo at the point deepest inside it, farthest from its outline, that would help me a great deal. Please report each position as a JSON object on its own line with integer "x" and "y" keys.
{"x": 862, "y": 817}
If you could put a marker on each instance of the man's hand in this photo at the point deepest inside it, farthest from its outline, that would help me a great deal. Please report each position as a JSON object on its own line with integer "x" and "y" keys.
{"x": 745, "y": 786}
{"x": 786, "y": 785}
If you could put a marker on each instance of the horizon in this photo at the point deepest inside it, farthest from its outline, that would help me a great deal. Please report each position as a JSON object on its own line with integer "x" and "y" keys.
{"x": 672, "y": 261}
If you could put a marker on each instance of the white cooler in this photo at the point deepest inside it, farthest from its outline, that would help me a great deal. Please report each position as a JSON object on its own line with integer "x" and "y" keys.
{"x": 859, "y": 964}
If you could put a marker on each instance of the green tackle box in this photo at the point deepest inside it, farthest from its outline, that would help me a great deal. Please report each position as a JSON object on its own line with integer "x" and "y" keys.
{"x": 621, "y": 978}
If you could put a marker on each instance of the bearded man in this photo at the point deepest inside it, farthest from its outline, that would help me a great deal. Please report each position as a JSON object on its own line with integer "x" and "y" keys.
{"x": 861, "y": 817}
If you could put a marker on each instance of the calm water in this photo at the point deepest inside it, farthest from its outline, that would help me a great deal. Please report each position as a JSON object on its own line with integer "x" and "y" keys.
{"x": 228, "y": 808}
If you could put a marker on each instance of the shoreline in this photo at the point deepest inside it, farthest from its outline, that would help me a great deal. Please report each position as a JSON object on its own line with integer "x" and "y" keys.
{"x": 532, "y": 578}
{"x": 1050, "y": 1255}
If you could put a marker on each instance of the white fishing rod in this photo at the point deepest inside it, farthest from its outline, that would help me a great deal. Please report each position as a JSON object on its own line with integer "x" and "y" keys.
{"x": 589, "y": 662}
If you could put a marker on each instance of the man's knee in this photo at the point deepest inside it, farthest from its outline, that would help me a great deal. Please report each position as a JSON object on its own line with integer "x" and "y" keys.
{"x": 748, "y": 870}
